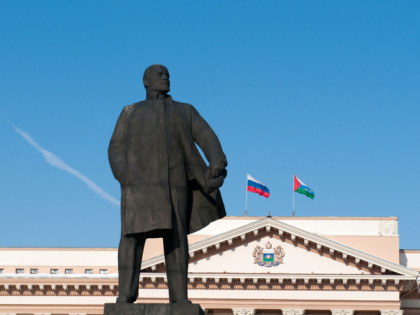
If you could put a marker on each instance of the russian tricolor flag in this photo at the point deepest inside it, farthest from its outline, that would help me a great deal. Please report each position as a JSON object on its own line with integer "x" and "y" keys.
{"x": 256, "y": 186}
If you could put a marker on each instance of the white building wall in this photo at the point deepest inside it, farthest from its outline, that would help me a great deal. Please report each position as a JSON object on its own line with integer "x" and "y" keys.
{"x": 321, "y": 226}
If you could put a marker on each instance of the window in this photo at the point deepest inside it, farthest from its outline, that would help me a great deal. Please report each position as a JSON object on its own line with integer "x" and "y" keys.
{"x": 1, "y": 270}
{"x": 68, "y": 271}
{"x": 89, "y": 271}
{"x": 20, "y": 270}
{"x": 34, "y": 271}
{"x": 53, "y": 271}
{"x": 103, "y": 271}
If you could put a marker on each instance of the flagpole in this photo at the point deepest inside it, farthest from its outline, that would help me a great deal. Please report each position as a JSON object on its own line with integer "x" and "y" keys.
{"x": 246, "y": 195}
{"x": 293, "y": 192}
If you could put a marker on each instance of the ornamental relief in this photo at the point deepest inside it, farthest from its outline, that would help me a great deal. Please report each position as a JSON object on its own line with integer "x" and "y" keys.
{"x": 388, "y": 227}
{"x": 243, "y": 311}
{"x": 268, "y": 256}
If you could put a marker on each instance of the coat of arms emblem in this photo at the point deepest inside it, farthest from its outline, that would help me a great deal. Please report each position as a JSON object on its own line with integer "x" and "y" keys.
{"x": 268, "y": 256}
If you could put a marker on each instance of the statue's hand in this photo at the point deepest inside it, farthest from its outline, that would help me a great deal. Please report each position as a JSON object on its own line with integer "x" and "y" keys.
{"x": 214, "y": 182}
{"x": 218, "y": 169}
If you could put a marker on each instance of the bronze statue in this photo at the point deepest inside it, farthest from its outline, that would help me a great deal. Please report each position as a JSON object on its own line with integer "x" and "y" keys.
{"x": 167, "y": 190}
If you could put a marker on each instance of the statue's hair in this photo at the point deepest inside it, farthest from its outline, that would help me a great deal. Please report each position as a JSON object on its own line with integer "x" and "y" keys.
{"x": 148, "y": 71}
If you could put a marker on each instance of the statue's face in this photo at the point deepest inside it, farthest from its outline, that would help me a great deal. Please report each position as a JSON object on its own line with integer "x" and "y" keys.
{"x": 158, "y": 79}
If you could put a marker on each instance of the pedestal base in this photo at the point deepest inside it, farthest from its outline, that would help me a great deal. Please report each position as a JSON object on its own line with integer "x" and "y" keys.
{"x": 152, "y": 309}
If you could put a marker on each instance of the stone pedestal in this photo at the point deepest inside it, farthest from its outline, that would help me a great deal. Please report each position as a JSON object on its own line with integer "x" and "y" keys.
{"x": 152, "y": 309}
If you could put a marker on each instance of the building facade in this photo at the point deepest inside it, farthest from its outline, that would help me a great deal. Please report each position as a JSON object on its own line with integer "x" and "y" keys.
{"x": 238, "y": 265}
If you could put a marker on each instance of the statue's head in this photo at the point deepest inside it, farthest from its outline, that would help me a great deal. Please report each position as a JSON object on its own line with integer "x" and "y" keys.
{"x": 156, "y": 78}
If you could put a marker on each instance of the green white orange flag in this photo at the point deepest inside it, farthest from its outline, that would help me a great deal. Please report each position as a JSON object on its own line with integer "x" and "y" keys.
{"x": 301, "y": 188}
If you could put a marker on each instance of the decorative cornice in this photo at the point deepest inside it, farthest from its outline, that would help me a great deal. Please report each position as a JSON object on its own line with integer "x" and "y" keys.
{"x": 269, "y": 224}
{"x": 108, "y": 287}
{"x": 313, "y": 281}
{"x": 58, "y": 290}
{"x": 81, "y": 279}
{"x": 282, "y": 282}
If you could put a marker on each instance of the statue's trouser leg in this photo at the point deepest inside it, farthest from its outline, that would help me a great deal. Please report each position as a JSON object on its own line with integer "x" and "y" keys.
{"x": 175, "y": 244}
{"x": 130, "y": 253}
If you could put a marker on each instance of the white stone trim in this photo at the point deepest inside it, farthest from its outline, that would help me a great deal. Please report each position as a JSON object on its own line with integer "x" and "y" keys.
{"x": 294, "y": 231}
{"x": 58, "y": 276}
{"x": 239, "y": 295}
{"x": 243, "y": 311}
{"x": 56, "y": 300}
{"x": 342, "y": 312}
{"x": 293, "y": 311}
{"x": 279, "y": 294}
{"x": 392, "y": 312}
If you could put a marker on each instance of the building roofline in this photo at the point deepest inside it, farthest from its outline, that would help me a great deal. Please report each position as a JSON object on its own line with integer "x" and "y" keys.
{"x": 267, "y": 223}
{"x": 307, "y": 218}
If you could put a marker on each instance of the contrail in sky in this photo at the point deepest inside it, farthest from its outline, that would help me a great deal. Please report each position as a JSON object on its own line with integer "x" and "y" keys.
{"x": 55, "y": 161}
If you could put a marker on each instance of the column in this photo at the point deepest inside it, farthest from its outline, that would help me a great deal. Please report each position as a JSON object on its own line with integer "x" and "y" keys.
{"x": 392, "y": 312}
{"x": 293, "y": 312}
{"x": 342, "y": 312}
{"x": 243, "y": 311}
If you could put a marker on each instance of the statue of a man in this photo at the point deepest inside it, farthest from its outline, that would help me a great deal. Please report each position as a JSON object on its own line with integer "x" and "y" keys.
{"x": 167, "y": 190}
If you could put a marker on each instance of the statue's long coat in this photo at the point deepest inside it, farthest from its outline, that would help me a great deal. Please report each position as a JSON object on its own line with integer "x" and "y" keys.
{"x": 153, "y": 155}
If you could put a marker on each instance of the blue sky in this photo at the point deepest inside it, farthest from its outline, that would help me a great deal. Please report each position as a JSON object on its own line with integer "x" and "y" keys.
{"x": 328, "y": 90}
